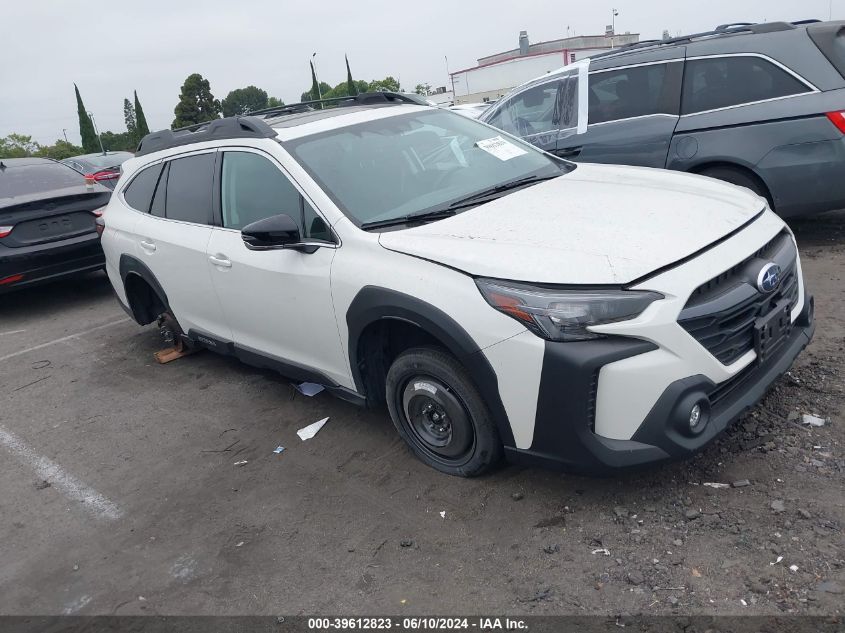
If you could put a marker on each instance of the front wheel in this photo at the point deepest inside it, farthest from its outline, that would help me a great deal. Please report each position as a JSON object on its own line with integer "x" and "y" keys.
{"x": 440, "y": 414}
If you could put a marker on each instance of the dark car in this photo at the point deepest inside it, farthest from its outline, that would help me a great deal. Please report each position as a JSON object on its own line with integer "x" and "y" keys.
{"x": 756, "y": 105}
{"x": 104, "y": 168}
{"x": 47, "y": 222}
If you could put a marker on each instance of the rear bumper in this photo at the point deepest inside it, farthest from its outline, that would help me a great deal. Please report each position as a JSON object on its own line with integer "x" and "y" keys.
{"x": 564, "y": 437}
{"x": 48, "y": 262}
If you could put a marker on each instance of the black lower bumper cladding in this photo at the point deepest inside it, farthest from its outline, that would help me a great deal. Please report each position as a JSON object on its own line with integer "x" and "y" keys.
{"x": 563, "y": 432}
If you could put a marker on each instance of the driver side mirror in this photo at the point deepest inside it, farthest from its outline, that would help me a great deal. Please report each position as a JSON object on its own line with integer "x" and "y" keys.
{"x": 277, "y": 231}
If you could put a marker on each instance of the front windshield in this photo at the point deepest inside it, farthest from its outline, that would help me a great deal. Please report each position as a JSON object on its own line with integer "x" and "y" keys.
{"x": 411, "y": 163}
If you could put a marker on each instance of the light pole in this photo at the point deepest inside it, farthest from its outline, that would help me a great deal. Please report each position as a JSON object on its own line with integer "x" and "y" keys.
{"x": 99, "y": 138}
{"x": 64, "y": 131}
{"x": 613, "y": 15}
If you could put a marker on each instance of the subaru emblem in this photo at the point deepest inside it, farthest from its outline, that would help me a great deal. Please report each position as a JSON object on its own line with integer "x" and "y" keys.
{"x": 769, "y": 278}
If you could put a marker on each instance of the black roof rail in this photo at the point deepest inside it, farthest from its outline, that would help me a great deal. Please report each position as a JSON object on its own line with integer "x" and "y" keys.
{"x": 363, "y": 99}
{"x": 723, "y": 29}
{"x": 217, "y": 129}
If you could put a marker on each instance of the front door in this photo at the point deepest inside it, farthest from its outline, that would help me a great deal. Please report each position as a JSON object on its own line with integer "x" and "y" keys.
{"x": 277, "y": 302}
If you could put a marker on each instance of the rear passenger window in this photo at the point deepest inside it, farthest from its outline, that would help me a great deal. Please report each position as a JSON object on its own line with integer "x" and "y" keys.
{"x": 631, "y": 92}
{"x": 720, "y": 82}
{"x": 189, "y": 187}
{"x": 139, "y": 193}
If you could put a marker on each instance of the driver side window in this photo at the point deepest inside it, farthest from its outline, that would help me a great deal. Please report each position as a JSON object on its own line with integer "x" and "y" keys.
{"x": 530, "y": 112}
{"x": 253, "y": 188}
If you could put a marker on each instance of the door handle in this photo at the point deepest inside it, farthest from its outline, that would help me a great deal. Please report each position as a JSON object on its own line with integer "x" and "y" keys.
{"x": 148, "y": 245}
{"x": 220, "y": 260}
{"x": 569, "y": 152}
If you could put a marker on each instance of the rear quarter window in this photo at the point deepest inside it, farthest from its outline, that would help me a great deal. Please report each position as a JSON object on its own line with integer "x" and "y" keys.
{"x": 139, "y": 193}
{"x": 189, "y": 188}
{"x": 721, "y": 82}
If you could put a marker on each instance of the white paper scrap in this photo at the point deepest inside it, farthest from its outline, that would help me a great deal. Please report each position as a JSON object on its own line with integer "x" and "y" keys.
{"x": 309, "y": 388}
{"x": 500, "y": 148}
{"x": 307, "y": 432}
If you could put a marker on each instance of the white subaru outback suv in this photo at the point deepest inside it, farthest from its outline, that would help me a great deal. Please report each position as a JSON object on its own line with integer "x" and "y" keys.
{"x": 501, "y": 301}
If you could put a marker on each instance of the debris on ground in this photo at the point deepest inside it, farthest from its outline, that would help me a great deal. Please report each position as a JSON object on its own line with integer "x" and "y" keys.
{"x": 309, "y": 389}
{"x": 741, "y": 483}
{"x": 710, "y": 484}
{"x": 241, "y": 463}
{"x": 812, "y": 420}
{"x": 278, "y": 449}
{"x": 307, "y": 432}
{"x": 793, "y": 568}
{"x": 406, "y": 542}
{"x": 517, "y": 496}
{"x": 552, "y": 549}
{"x": 443, "y": 514}
{"x": 778, "y": 506}
{"x": 779, "y": 558}
{"x": 635, "y": 578}
{"x": 42, "y": 484}
{"x": 602, "y": 550}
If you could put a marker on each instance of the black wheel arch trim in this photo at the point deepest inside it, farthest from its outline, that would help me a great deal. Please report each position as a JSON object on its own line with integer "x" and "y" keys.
{"x": 375, "y": 303}
{"x": 130, "y": 265}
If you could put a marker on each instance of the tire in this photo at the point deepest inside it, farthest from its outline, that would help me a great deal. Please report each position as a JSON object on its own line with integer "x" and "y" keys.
{"x": 741, "y": 178}
{"x": 438, "y": 411}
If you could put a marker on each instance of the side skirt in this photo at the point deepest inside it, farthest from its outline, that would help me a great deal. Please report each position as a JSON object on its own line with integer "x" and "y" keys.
{"x": 286, "y": 368}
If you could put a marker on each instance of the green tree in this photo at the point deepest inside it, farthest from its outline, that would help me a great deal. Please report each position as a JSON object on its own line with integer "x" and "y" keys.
{"x": 324, "y": 90}
{"x": 140, "y": 119}
{"x": 129, "y": 118}
{"x": 17, "y": 146}
{"x": 316, "y": 89}
{"x": 243, "y": 100}
{"x": 351, "y": 89}
{"x": 196, "y": 103}
{"x": 388, "y": 84}
{"x": 119, "y": 141}
{"x": 86, "y": 127}
{"x": 423, "y": 89}
{"x": 274, "y": 102}
{"x": 59, "y": 150}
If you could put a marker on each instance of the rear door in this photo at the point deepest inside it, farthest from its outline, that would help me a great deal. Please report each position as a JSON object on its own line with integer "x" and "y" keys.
{"x": 632, "y": 113}
{"x": 172, "y": 238}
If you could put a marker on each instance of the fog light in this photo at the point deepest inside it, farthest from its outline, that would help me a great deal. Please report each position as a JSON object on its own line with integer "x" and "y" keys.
{"x": 694, "y": 417}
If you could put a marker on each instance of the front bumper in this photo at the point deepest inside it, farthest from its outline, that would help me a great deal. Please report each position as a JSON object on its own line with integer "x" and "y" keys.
{"x": 47, "y": 262}
{"x": 564, "y": 436}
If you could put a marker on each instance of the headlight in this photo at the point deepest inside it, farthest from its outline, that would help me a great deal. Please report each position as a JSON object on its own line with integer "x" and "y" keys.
{"x": 562, "y": 314}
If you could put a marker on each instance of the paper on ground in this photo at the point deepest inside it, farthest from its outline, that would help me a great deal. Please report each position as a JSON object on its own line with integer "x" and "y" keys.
{"x": 500, "y": 148}
{"x": 307, "y": 432}
{"x": 308, "y": 388}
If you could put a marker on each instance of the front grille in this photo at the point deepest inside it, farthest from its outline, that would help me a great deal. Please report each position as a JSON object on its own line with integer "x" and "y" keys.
{"x": 720, "y": 314}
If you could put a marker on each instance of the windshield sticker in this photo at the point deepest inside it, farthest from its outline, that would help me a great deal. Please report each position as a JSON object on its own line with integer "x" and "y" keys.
{"x": 500, "y": 148}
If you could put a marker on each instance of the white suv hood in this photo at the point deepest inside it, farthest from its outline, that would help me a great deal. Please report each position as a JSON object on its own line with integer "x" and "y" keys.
{"x": 595, "y": 225}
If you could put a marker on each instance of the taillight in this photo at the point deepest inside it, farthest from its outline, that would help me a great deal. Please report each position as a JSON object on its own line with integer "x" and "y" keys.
{"x": 838, "y": 119}
{"x": 103, "y": 175}
{"x": 10, "y": 279}
{"x": 100, "y": 221}
{"x": 99, "y": 212}
{"x": 5, "y": 230}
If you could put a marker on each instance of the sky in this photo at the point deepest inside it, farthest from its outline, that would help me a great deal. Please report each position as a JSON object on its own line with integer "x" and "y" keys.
{"x": 111, "y": 49}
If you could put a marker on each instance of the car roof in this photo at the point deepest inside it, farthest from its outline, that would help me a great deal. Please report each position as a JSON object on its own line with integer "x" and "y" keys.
{"x": 24, "y": 162}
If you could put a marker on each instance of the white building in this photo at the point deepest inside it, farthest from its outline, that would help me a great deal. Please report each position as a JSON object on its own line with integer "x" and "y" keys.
{"x": 496, "y": 74}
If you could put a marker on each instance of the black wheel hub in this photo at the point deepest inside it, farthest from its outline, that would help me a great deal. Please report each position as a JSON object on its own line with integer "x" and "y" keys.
{"x": 170, "y": 331}
{"x": 436, "y": 417}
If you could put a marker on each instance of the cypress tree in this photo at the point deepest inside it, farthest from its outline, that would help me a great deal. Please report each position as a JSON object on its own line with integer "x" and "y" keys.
{"x": 315, "y": 87}
{"x": 350, "y": 85}
{"x": 140, "y": 119}
{"x": 129, "y": 119}
{"x": 90, "y": 144}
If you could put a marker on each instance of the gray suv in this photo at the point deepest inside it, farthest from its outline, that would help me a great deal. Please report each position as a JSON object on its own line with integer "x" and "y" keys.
{"x": 757, "y": 105}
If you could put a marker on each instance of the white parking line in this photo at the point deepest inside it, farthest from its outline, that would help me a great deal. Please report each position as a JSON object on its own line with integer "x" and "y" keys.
{"x": 61, "y": 340}
{"x": 53, "y": 473}
{"x": 12, "y": 332}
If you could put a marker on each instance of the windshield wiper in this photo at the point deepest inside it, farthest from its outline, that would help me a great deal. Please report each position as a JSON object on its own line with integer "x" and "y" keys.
{"x": 492, "y": 191}
{"x": 437, "y": 214}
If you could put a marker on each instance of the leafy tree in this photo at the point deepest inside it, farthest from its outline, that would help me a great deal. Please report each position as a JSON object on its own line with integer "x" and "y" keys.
{"x": 351, "y": 90}
{"x": 423, "y": 89}
{"x": 59, "y": 150}
{"x": 324, "y": 90}
{"x": 90, "y": 143}
{"x": 140, "y": 120}
{"x": 388, "y": 84}
{"x": 17, "y": 146}
{"x": 274, "y": 102}
{"x": 129, "y": 117}
{"x": 196, "y": 103}
{"x": 119, "y": 141}
{"x": 244, "y": 100}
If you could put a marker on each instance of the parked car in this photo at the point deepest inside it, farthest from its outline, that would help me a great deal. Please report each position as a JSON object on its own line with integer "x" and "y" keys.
{"x": 47, "y": 229}
{"x": 472, "y": 110}
{"x": 498, "y": 299}
{"x": 103, "y": 168}
{"x": 757, "y": 105}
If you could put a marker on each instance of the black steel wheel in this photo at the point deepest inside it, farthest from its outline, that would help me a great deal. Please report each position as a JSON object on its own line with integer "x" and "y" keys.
{"x": 440, "y": 414}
